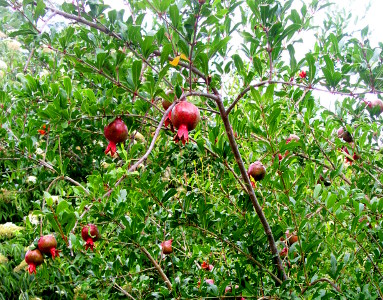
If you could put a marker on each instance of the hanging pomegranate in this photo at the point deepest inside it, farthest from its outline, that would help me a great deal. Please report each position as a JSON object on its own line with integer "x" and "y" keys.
{"x": 185, "y": 117}
{"x": 116, "y": 132}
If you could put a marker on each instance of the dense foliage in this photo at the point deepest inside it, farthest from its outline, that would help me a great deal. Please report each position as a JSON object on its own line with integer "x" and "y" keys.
{"x": 311, "y": 228}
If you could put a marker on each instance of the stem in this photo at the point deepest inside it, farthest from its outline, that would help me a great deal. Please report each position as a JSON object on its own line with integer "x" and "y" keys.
{"x": 250, "y": 191}
{"x": 157, "y": 266}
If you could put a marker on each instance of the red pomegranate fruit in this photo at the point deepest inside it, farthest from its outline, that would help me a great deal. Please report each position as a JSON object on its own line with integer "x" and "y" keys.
{"x": 185, "y": 117}
{"x": 167, "y": 246}
{"x": 206, "y": 266}
{"x": 33, "y": 258}
{"x": 257, "y": 171}
{"x": 90, "y": 234}
{"x": 375, "y": 107}
{"x": 345, "y": 135}
{"x": 116, "y": 132}
{"x": 292, "y": 137}
{"x": 47, "y": 244}
{"x": 292, "y": 238}
{"x": 284, "y": 252}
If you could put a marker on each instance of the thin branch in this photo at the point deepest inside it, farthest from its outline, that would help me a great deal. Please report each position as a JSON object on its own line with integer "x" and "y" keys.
{"x": 158, "y": 267}
{"x": 322, "y": 280}
{"x": 123, "y": 291}
{"x": 241, "y": 94}
{"x": 29, "y": 60}
{"x": 250, "y": 191}
{"x": 146, "y": 155}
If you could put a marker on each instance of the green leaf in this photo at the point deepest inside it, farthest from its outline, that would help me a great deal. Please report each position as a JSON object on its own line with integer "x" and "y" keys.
{"x": 257, "y": 65}
{"x": 312, "y": 69}
{"x": 136, "y": 73}
{"x": 40, "y": 9}
{"x": 238, "y": 63}
{"x": 317, "y": 190}
{"x": 63, "y": 205}
{"x": 68, "y": 86}
{"x": 174, "y": 14}
{"x": 218, "y": 45}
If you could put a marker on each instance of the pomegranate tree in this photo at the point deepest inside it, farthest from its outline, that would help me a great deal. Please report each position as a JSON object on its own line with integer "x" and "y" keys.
{"x": 116, "y": 132}
{"x": 185, "y": 117}
{"x": 33, "y": 258}
{"x": 90, "y": 234}
{"x": 167, "y": 246}
{"x": 257, "y": 171}
{"x": 47, "y": 244}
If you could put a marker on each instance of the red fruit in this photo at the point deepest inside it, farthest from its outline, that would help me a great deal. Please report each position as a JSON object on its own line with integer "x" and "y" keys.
{"x": 90, "y": 234}
{"x": 325, "y": 181}
{"x": 167, "y": 247}
{"x": 345, "y": 135}
{"x": 47, "y": 244}
{"x": 292, "y": 238}
{"x": 201, "y": 2}
{"x": 284, "y": 252}
{"x": 206, "y": 266}
{"x": 257, "y": 171}
{"x": 166, "y": 104}
{"x": 116, "y": 132}
{"x": 292, "y": 137}
{"x": 375, "y": 107}
{"x": 185, "y": 117}
{"x": 33, "y": 258}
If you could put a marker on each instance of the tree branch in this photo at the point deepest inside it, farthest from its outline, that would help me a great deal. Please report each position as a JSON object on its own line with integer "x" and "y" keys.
{"x": 250, "y": 191}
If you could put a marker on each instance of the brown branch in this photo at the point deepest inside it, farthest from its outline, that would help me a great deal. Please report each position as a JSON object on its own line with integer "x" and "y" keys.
{"x": 145, "y": 156}
{"x": 250, "y": 191}
{"x": 158, "y": 267}
{"x": 322, "y": 280}
{"x": 29, "y": 60}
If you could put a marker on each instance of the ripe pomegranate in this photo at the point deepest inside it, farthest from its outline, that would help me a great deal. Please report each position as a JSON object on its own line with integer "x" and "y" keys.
{"x": 90, "y": 234}
{"x": 325, "y": 181}
{"x": 33, "y": 258}
{"x": 354, "y": 156}
{"x": 47, "y": 244}
{"x": 116, "y": 132}
{"x": 167, "y": 246}
{"x": 257, "y": 171}
{"x": 292, "y": 137}
{"x": 208, "y": 281}
{"x": 185, "y": 117}
{"x": 206, "y": 266}
{"x": 292, "y": 238}
{"x": 345, "y": 135}
{"x": 166, "y": 104}
{"x": 375, "y": 107}
{"x": 284, "y": 252}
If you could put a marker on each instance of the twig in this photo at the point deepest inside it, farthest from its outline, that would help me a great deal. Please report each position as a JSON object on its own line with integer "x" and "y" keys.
{"x": 157, "y": 266}
{"x": 322, "y": 280}
{"x": 29, "y": 60}
{"x": 250, "y": 191}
